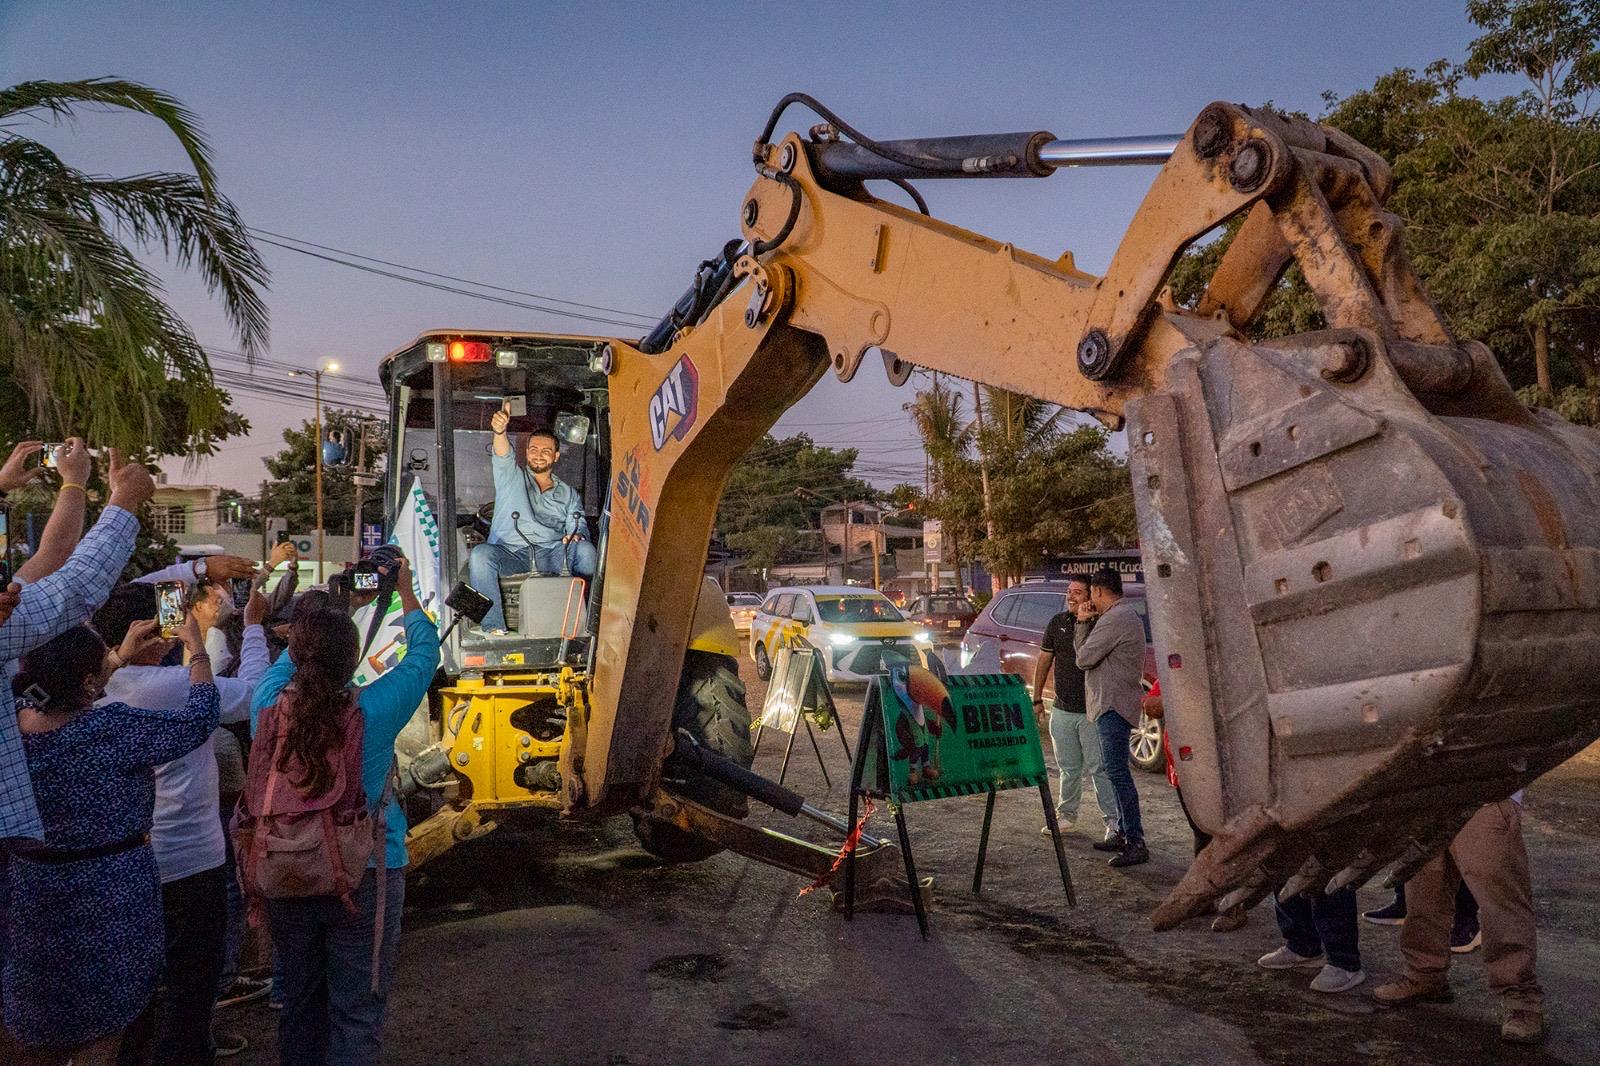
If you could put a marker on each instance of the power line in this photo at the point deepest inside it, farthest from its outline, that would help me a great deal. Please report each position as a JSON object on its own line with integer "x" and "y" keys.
{"x": 450, "y": 288}
{"x": 648, "y": 320}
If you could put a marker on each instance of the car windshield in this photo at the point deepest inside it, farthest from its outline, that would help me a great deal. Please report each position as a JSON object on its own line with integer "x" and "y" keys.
{"x": 872, "y": 608}
{"x": 948, "y": 605}
{"x": 744, "y": 599}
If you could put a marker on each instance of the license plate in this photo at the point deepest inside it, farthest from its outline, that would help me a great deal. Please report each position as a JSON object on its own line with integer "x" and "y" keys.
{"x": 954, "y": 623}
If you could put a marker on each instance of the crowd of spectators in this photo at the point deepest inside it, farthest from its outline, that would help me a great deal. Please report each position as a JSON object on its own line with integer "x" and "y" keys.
{"x": 125, "y": 749}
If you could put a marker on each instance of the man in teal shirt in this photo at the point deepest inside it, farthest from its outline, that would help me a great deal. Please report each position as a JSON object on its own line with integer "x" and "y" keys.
{"x": 538, "y": 519}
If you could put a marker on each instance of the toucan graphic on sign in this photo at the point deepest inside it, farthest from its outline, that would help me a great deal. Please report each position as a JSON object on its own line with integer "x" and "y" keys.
{"x": 919, "y": 731}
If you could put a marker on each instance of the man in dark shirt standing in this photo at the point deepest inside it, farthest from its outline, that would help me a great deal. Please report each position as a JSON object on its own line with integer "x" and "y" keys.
{"x": 1076, "y": 740}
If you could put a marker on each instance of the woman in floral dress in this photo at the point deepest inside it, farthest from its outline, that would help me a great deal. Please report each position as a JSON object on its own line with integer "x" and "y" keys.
{"x": 84, "y": 937}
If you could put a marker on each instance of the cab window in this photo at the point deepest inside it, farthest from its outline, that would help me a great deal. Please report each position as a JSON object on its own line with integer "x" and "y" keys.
{"x": 802, "y": 611}
{"x": 771, "y": 604}
{"x": 783, "y": 605}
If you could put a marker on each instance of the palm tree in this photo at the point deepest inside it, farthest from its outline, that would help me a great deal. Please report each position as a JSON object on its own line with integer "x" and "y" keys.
{"x": 85, "y": 332}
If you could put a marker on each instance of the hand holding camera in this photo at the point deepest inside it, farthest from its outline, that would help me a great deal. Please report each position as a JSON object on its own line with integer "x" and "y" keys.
{"x": 142, "y": 637}
{"x": 16, "y": 473}
{"x": 131, "y": 483}
{"x": 255, "y": 608}
{"x": 73, "y": 462}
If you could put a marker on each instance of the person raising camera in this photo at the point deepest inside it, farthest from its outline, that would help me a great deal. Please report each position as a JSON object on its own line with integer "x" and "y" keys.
{"x": 313, "y": 734}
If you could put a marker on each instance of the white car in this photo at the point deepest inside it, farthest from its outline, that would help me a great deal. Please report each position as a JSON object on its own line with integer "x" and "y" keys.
{"x": 743, "y": 606}
{"x": 857, "y": 630}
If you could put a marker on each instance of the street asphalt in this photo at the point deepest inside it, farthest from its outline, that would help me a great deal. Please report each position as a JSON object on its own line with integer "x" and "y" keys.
{"x": 565, "y": 943}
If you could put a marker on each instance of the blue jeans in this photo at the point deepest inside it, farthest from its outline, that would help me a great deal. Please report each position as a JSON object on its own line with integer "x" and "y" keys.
{"x": 1076, "y": 741}
{"x": 1114, "y": 730}
{"x": 1313, "y": 924}
{"x": 488, "y": 561}
{"x": 330, "y": 1015}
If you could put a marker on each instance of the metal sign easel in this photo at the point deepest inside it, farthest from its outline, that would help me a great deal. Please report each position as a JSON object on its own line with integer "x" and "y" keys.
{"x": 799, "y": 693}
{"x": 984, "y": 725}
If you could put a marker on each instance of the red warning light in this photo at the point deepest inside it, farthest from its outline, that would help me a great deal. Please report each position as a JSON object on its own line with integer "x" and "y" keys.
{"x": 470, "y": 352}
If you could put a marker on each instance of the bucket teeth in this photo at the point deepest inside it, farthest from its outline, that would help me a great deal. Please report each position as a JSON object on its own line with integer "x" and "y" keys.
{"x": 1310, "y": 875}
{"x": 1360, "y": 870}
{"x": 1247, "y": 895}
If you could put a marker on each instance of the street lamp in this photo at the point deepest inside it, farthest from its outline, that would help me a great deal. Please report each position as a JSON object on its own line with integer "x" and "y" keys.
{"x": 327, "y": 367}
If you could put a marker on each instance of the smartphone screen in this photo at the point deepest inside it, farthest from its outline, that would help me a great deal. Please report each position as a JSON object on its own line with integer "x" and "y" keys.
{"x": 241, "y": 592}
{"x": 169, "y": 607}
{"x": 47, "y": 458}
{"x": 364, "y": 581}
{"x": 5, "y": 545}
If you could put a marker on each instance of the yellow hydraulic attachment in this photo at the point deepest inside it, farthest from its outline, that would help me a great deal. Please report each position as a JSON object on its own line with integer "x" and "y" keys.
{"x": 1374, "y": 575}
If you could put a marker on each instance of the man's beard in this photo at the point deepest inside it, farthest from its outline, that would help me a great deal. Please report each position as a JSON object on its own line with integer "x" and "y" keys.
{"x": 540, "y": 468}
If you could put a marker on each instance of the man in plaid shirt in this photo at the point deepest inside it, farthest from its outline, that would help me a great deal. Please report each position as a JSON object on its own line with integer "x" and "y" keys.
{"x": 34, "y": 611}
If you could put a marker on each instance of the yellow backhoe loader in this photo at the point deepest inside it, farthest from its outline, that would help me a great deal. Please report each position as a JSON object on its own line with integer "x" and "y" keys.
{"x": 1373, "y": 574}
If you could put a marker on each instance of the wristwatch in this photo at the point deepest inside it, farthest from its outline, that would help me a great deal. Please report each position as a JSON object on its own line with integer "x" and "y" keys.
{"x": 200, "y": 569}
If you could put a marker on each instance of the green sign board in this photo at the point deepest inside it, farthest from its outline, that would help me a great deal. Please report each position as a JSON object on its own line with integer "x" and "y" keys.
{"x": 957, "y": 736}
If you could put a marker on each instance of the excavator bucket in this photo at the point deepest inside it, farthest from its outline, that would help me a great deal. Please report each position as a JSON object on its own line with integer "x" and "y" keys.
{"x": 1371, "y": 617}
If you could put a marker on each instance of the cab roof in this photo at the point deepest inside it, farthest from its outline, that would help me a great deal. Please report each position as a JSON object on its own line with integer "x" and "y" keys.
{"x": 492, "y": 335}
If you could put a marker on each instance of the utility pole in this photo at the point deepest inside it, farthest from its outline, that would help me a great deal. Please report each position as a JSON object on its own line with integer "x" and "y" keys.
{"x": 358, "y": 479}
{"x": 983, "y": 471}
{"x": 328, "y": 367}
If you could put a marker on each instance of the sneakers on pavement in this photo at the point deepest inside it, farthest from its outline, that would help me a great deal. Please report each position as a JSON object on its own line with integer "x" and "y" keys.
{"x": 1136, "y": 855}
{"x": 1403, "y": 990}
{"x": 1112, "y": 842}
{"x": 1522, "y": 1027}
{"x": 1286, "y": 959}
{"x": 1393, "y": 914}
{"x": 244, "y": 990}
{"x": 1465, "y": 938}
{"x": 1332, "y": 980}
{"x": 228, "y": 1044}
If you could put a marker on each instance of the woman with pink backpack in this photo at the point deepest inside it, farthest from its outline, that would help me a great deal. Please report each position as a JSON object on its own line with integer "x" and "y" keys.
{"x": 319, "y": 834}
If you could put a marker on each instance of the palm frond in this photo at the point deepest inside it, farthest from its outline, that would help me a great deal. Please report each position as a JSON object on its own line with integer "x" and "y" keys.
{"x": 58, "y": 100}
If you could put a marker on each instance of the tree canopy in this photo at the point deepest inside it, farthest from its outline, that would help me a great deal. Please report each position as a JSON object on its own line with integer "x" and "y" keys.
{"x": 81, "y": 317}
{"x": 291, "y": 493}
{"x": 1501, "y": 197}
{"x": 770, "y": 509}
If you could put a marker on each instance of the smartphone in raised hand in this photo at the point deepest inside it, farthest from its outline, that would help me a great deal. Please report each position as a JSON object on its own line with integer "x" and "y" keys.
{"x": 47, "y": 457}
{"x": 170, "y": 607}
{"x": 241, "y": 587}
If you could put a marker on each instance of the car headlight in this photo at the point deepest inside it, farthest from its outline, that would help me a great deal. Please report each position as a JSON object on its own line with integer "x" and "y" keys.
{"x": 922, "y": 637}
{"x": 842, "y": 639}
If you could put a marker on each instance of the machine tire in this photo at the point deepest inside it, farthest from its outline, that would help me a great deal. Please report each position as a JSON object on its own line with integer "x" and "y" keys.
{"x": 711, "y": 706}
{"x": 763, "y": 664}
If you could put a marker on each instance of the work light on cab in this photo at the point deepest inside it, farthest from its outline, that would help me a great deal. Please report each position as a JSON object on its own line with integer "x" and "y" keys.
{"x": 470, "y": 352}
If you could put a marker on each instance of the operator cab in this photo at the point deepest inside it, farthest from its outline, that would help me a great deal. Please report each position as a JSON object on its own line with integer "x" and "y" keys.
{"x": 444, "y": 389}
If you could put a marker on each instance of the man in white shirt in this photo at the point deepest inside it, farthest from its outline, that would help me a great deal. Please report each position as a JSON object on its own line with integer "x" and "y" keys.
{"x": 187, "y": 831}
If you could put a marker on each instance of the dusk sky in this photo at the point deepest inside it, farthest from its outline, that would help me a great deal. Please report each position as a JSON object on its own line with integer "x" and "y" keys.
{"x": 596, "y": 152}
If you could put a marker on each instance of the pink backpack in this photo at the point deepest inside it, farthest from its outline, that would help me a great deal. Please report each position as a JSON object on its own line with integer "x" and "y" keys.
{"x": 289, "y": 845}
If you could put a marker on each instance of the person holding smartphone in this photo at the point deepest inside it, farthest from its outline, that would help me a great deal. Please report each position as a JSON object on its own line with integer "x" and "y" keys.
{"x": 84, "y": 927}
{"x": 538, "y": 518}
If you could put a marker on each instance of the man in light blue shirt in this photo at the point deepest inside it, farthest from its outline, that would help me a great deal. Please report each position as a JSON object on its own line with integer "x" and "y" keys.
{"x": 538, "y": 519}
